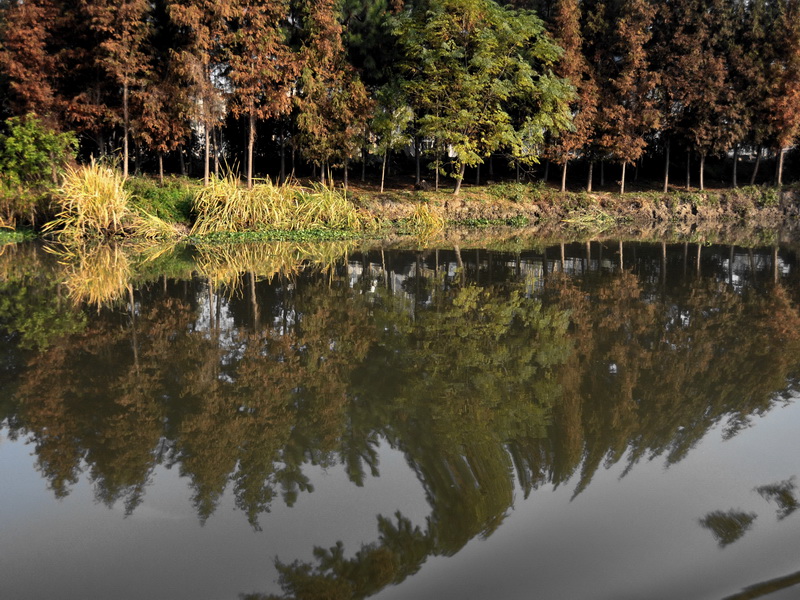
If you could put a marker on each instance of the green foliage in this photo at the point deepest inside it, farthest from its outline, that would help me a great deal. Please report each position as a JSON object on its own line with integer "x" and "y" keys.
{"x": 479, "y": 77}
{"x": 171, "y": 201}
{"x": 12, "y": 236}
{"x": 481, "y": 223}
{"x": 32, "y": 153}
{"x": 515, "y": 192}
{"x": 728, "y": 526}
{"x": 769, "y": 196}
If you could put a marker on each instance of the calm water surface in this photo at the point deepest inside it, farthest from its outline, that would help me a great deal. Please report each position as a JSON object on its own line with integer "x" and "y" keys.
{"x": 597, "y": 420}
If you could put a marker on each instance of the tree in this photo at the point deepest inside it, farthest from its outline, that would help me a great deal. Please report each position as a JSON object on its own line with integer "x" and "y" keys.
{"x": 333, "y": 104}
{"x": 198, "y": 24}
{"x": 123, "y": 30}
{"x": 574, "y": 68}
{"x": 262, "y": 66}
{"x": 710, "y": 119}
{"x": 469, "y": 65}
{"x": 617, "y": 41}
{"x": 27, "y": 59}
{"x": 390, "y": 122}
{"x": 31, "y": 152}
{"x": 784, "y": 97}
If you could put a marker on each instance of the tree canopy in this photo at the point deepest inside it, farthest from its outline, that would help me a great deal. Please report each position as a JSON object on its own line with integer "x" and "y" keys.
{"x": 573, "y": 79}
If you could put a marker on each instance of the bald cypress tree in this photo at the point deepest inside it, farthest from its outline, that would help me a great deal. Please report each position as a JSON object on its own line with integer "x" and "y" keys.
{"x": 333, "y": 104}
{"x": 27, "y": 59}
{"x": 784, "y": 98}
{"x": 196, "y": 53}
{"x": 122, "y": 29}
{"x": 574, "y": 68}
{"x": 617, "y": 40}
{"x": 262, "y": 66}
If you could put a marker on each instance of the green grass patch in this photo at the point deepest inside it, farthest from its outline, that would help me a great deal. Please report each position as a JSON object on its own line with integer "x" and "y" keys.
{"x": 171, "y": 202}
{"x": 482, "y": 223}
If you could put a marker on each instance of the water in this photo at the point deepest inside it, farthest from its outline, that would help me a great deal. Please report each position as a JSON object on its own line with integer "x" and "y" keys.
{"x": 595, "y": 420}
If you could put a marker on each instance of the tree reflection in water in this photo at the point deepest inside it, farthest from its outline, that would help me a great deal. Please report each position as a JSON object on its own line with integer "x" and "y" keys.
{"x": 483, "y": 368}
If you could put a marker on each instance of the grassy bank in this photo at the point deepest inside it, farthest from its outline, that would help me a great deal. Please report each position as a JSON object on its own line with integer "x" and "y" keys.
{"x": 94, "y": 201}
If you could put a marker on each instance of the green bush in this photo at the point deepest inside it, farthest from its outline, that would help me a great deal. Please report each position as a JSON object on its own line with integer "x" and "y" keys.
{"x": 32, "y": 153}
{"x": 32, "y": 158}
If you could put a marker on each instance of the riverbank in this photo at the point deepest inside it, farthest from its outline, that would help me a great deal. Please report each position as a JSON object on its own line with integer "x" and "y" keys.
{"x": 403, "y": 210}
{"x": 537, "y": 205}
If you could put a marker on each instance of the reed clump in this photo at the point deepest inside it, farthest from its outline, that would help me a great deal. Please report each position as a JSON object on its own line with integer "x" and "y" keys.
{"x": 226, "y": 206}
{"x": 426, "y": 221}
{"x": 93, "y": 202}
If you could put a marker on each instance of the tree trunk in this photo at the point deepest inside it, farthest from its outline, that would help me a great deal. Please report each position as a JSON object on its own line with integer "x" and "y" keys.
{"x": 251, "y": 139}
{"x": 564, "y": 176}
{"x": 516, "y": 162}
{"x": 622, "y": 181}
{"x": 478, "y": 175}
{"x": 459, "y": 179}
{"x": 346, "y": 179}
{"x": 417, "y": 160}
{"x": 363, "y": 164}
{"x": 183, "y": 162}
{"x": 755, "y": 168}
{"x": 735, "y": 182}
{"x": 602, "y": 174}
{"x": 160, "y": 167}
{"x": 666, "y": 168}
{"x": 217, "y": 133}
{"x": 283, "y": 158}
{"x": 688, "y": 169}
{"x": 137, "y": 161}
{"x": 383, "y": 168}
{"x": 126, "y": 127}
{"x": 702, "y": 171}
{"x": 207, "y": 155}
{"x": 589, "y": 178}
{"x": 779, "y": 178}
{"x": 546, "y": 170}
{"x": 436, "y": 186}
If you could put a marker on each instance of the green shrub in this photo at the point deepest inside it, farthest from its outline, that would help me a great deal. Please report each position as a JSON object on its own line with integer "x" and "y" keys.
{"x": 32, "y": 153}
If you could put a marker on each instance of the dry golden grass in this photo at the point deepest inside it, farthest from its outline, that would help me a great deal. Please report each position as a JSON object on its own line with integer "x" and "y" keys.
{"x": 224, "y": 205}
{"x": 426, "y": 221}
{"x": 93, "y": 202}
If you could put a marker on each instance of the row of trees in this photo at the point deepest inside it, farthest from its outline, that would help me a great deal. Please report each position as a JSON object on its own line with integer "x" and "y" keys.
{"x": 455, "y": 80}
